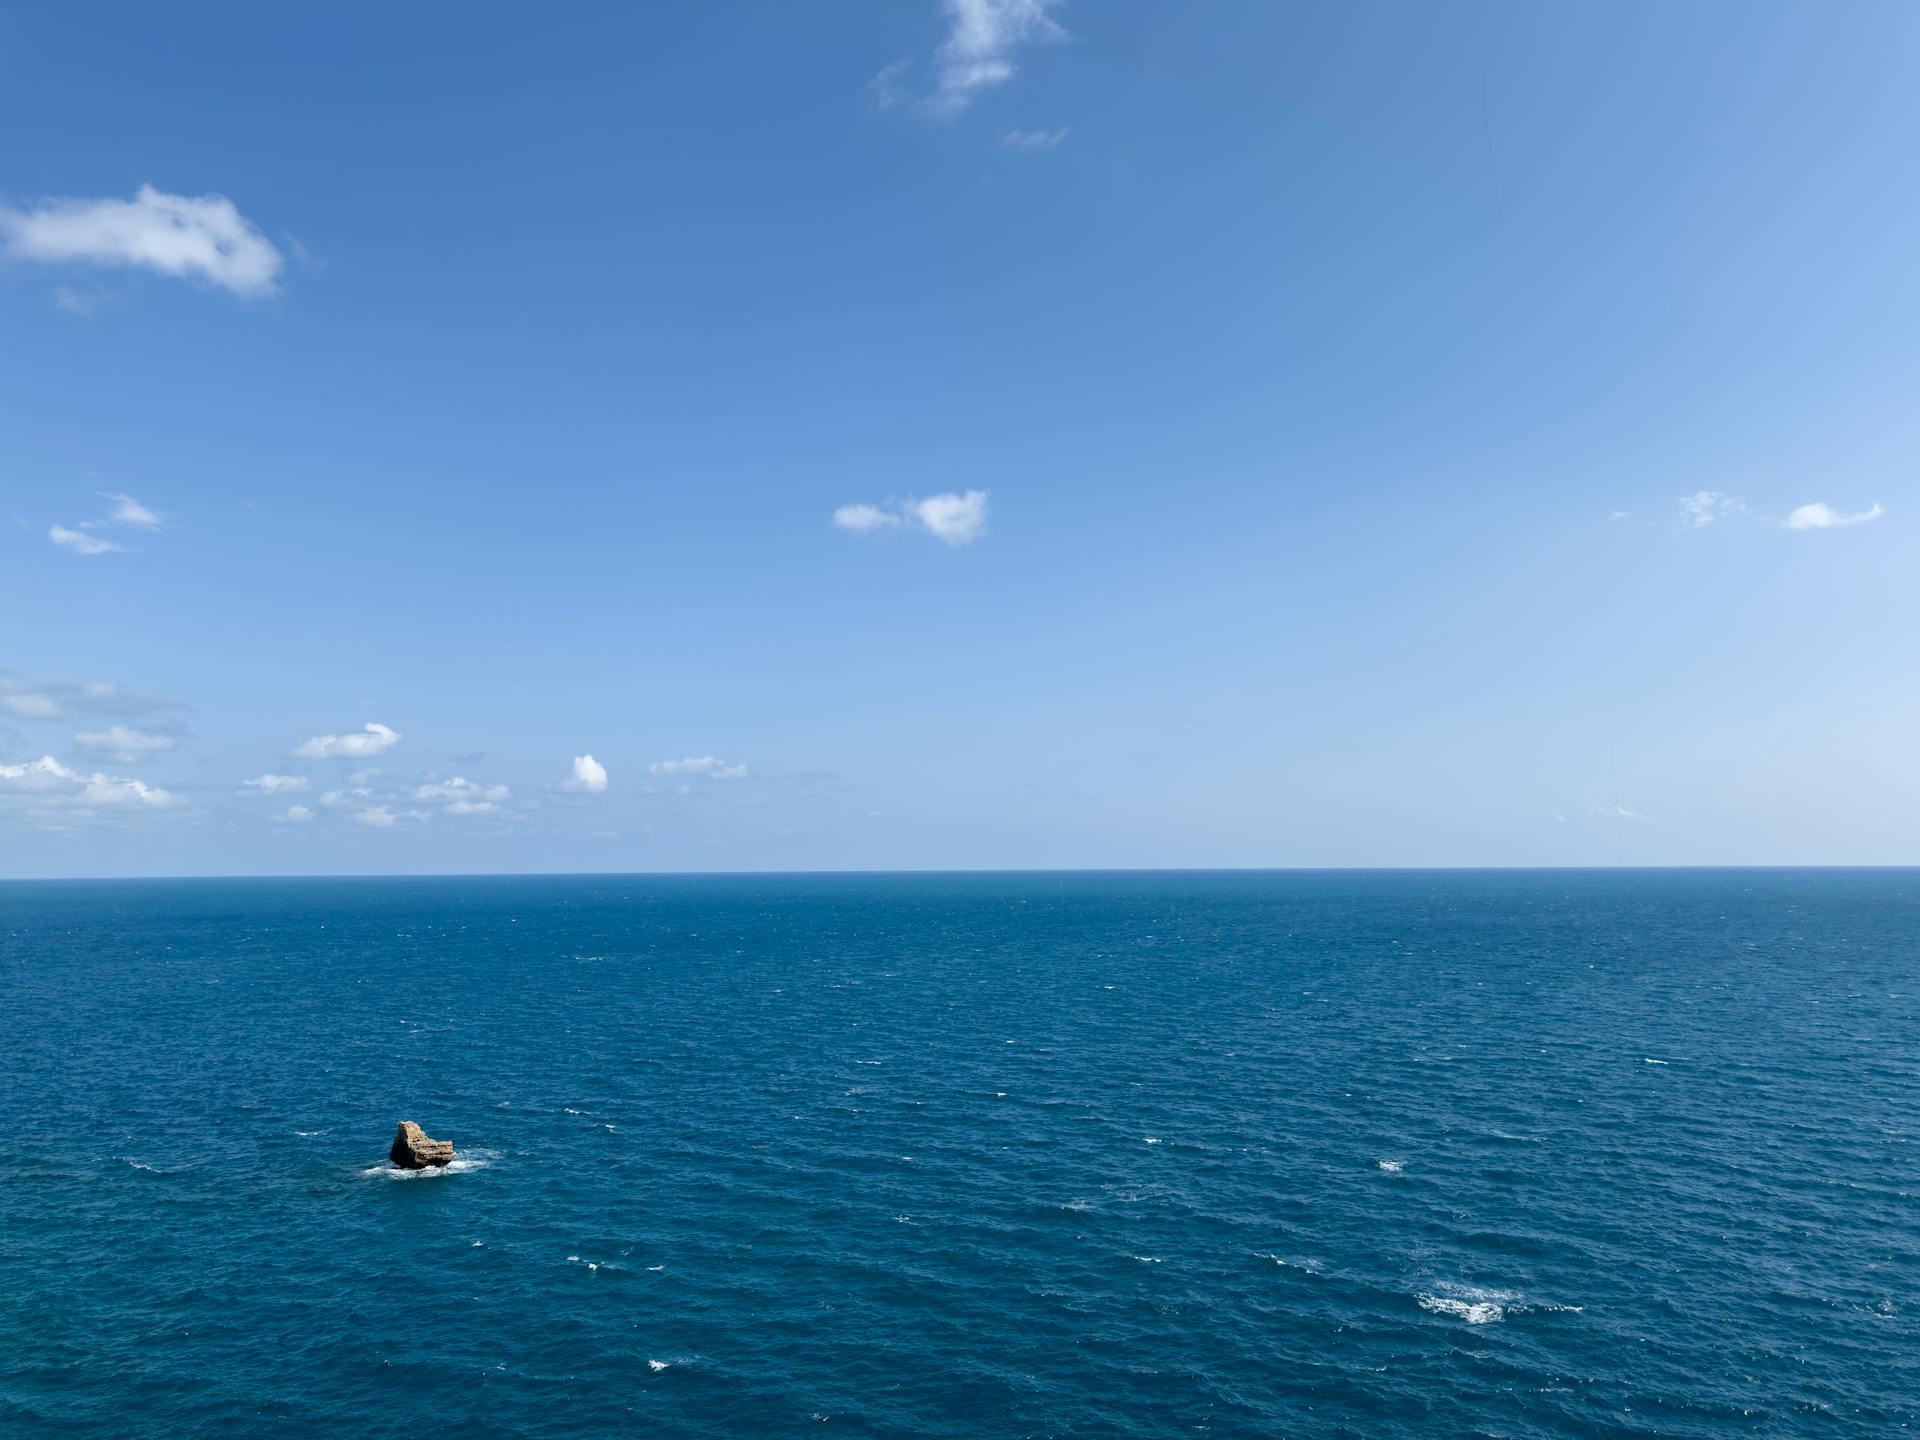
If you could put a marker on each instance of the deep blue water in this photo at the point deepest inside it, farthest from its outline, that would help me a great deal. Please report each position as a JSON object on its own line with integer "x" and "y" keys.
{"x": 1370, "y": 1155}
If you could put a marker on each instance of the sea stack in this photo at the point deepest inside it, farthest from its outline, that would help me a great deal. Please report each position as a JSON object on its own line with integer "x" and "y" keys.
{"x": 412, "y": 1150}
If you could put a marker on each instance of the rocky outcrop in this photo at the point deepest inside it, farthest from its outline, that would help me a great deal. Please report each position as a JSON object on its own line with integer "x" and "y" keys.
{"x": 412, "y": 1150}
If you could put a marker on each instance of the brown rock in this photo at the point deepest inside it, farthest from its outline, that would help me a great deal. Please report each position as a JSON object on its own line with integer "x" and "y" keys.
{"x": 412, "y": 1150}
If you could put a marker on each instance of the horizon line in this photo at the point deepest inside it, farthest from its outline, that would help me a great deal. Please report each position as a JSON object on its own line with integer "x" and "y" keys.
{"x": 961, "y": 870}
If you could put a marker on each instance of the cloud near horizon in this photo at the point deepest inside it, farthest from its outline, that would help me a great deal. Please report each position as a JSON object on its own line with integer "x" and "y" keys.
{"x": 463, "y": 796}
{"x": 1822, "y": 516}
{"x": 956, "y": 519}
{"x": 276, "y": 785}
{"x": 372, "y": 739}
{"x": 710, "y": 766}
{"x": 203, "y": 238}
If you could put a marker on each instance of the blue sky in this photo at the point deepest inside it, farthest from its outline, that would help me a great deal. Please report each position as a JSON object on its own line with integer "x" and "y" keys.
{"x": 973, "y": 435}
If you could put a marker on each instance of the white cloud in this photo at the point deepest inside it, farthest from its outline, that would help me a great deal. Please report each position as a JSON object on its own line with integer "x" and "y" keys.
{"x": 46, "y": 773}
{"x": 1703, "y": 507}
{"x": 980, "y": 44}
{"x": 372, "y": 739}
{"x": 298, "y": 814}
{"x": 380, "y": 817}
{"x": 80, "y": 542}
{"x": 958, "y": 519}
{"x": 588, "y": 776}
{"x": 1620, "y": 812}
{"x": 862, "y": 519}
{"x": 198, "y": 237}
{"x": 129, "y": 511}
{"x": 123, "y": 742}
{"x": 278, "y": 784}
{"x": 1821, "y": 516}
{"x": 464, "y": 796}
{"x": 1034, "y": 139}
{"x": 48, "y": 778}
{"x": 102, "y": 790}
{"x": 708, "y": 765}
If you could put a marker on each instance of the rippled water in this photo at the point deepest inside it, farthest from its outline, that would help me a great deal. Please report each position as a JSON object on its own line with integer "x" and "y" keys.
{"x": 1366, "y": 1155}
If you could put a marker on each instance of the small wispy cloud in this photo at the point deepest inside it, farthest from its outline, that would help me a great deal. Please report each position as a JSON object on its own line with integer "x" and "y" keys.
{"x": 710, "y": 766}
{"x": 889, "y": 87}
{"x": 87, "y": 541}
{"x": 1821, "y": 516}
{"x": 123, "y": 743}
{"x": 957, "y": 519}
{"x": 982, "y": 38}
{"x": 298, "y": 814}
{"x": 78, "y": 302}
{"x": 372, "y": 739}
{"x": 463, "y": 796}
{"x": 203, "y": 238}
{"x": 81, "y": 542}
{"x": 865, "y": 519}
{"x": 587, "y": 777}
{"x": 1034, "y": 139}
{"x": 1620, "y": 812}
{"x": 1704, "y": 507}
{"x": 276, "y": 785}
{"x": 978, "y": 52}
{"x": 50, "y": 700}
{"x": 129, "y": 511}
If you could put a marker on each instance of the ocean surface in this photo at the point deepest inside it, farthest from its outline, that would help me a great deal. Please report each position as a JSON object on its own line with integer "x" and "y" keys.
{"x": 1104, "y": 1155}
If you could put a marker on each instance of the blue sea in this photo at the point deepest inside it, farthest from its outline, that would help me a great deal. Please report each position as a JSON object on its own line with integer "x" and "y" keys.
{"x": 1516, "y": 1154}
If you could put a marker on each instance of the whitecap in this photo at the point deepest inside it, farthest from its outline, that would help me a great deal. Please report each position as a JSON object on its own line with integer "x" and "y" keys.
{"x": 1311, "y": 1267}
{"x": 1151, "y": 1139}
{"x": 1644, "y": 1060}
{"x": 1392, "y": 1167}
{"x": 1472, "y": 1303}
{"x": 1474, "y": 1313}
{"x": 1150, "y": 1259}
{"x": 657, "y": 1365}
